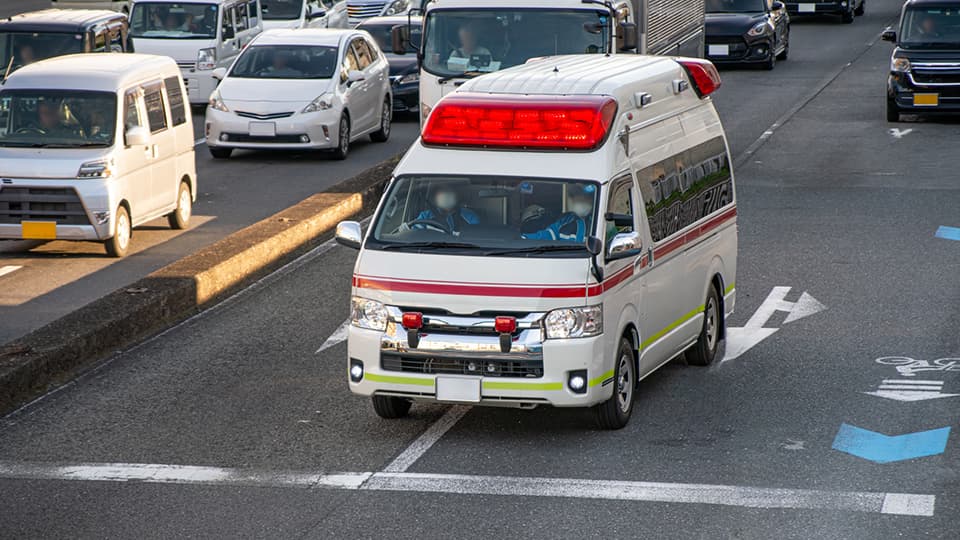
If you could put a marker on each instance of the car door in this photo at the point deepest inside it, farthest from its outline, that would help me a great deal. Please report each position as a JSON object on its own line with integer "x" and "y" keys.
{"x": 379, "y": 75}
{"x": 135, "y": 176}
{"x": 365, "y": 107}
{"x": 229, "y": 46}
{"x": 163, "y": 146}
{"x": 779, "y": 19}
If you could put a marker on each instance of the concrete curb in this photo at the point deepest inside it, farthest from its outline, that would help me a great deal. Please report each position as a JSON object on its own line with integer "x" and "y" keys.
{"x": 57, "y": 352}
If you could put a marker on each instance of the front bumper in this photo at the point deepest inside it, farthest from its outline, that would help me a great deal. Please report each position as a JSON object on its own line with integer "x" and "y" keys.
{"x": 739, "y": 50}
{"x": 55, "y": 210}
{"x": 811, "y": 8}
{"x": 902, "y": 89}
{"x": 200, "y": 84}
{"x": 560, "y": 357}
{"x": 310, "y": 131}
{"x": 406, "y": 97}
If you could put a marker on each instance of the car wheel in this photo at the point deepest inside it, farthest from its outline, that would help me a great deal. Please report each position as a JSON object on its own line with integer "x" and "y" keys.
{"x": 386, "y": 118}
{"x": 343, "y": 139}
{"x": 390, "y": 407}
{"x": 614, "y": 413}
{"x": 221, "y": 153}
{"x": 847, "y": 17}
{"x": 861, "y": 9}
{"x": 770, "y": 62}
{"x": 705, "y": 349}
{"x": 893, "y": 111}
{"x": 180, "y": 218}
{"x": 119, "y": 243}
{"x": 786, "y": 50}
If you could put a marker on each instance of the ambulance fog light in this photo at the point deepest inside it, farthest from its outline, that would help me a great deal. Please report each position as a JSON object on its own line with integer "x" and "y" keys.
{"x": 356, "y": 370}
{"x": 577, "y": 381}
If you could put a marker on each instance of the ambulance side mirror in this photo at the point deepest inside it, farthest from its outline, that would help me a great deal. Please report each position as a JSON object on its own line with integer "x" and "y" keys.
{"x": 349, "y": 234}
{"x": 623, "y": 245}
{"x": 595, "y": 248}
{"x": 627, "y": 36}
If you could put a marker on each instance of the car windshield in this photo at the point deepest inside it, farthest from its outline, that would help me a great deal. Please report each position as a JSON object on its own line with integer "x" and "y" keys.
{"x": 57, "y": 119}
{"x": 281, "y": 10}
{"x": 469, "y": 42}
{"x": 735, "y": 6}
{"x": 487, "y": 215}
{"x": 173, "y": 20}
{"x": 286, "y": 62}
{"x": 28, "y": 47}
{"x": 931, "y": 27}
{"x": 382, "y": 35}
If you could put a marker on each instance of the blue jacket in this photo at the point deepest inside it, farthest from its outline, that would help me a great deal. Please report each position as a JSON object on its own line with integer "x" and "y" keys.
{"x": 465, "y": 215}
{"x": 569, "y": 226}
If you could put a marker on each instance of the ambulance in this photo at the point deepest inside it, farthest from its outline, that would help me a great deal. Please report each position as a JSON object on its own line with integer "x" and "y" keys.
{"x": 560, "y": 230}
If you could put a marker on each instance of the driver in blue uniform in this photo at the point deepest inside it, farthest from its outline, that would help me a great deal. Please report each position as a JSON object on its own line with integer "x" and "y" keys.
{"x": 445, "y": 207}
{"x": 574, "y": 224}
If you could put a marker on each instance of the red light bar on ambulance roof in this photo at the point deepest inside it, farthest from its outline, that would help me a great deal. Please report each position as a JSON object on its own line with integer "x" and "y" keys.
{"x": 521, "y": 121}
{"x": 706, "y": 78}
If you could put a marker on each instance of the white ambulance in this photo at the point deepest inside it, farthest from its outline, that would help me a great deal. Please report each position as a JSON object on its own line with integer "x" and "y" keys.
{"x": 560, "y": 230}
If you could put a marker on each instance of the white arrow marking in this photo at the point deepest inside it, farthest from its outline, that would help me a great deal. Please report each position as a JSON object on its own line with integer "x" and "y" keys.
{"x": 338, "y": 336}
{"x": 910, "y": 390}
{"x": 4, "y": 270}
{"x": 899, "y": 133}
{"x": 805, "y": 306}
{"x": 741, "y": 340}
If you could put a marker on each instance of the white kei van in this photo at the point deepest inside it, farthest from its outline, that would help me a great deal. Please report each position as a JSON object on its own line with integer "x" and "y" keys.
{"x": 560, "y": 230}
{"x": 92, "y": 146}
{"x": 201, "y": 35}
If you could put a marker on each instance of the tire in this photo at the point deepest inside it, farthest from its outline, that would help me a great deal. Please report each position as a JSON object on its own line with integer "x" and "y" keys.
{"x": 220, "y": 153}
{"x": 861, "y": 9}
{"x": 119, "y": 244}
{"x": 343, "y": 139}
{"x": 180, "y": 218}
{"x": 785, "y": 52}
{"x": 847, "y": 17}
{"x": 770, "y": 63}
{"x": 893, "y": 112}
{"x": 615, "y": 412}
{"x": 705, "y": 349}
{"x": 386, "y": 118}
{"x": 390, "y": 408}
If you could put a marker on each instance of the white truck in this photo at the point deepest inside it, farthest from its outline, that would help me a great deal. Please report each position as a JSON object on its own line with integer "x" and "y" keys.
{"x": 465, "y": 38}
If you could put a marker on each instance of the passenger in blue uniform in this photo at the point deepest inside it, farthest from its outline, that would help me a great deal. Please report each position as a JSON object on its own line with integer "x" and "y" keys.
{"x": 445, "y": 207}
{"x": 572, "y": 225}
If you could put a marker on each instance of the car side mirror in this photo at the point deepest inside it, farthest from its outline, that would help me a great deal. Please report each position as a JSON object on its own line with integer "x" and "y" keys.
{"x": 624, "y": 245}
{"x": 400, "y": 38}
{"x": 627, "y": 36}
{"x": 315, "y": 13}
{"x": 348, "y": 234}
{"x": 354, "y": 76}
{"x": 778, "y": 6}
{"x": 137, "y": 136}
{"x": 219, "y": 73}
{"x": 889, "y": 35}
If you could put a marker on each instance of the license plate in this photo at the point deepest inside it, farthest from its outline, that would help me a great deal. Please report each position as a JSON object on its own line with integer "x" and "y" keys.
{"x": 807, "y": 8}
{"x": 263, "y": 129}
{"x": 926, "y": 100}
{"x": 38, "y": 230}
{"x": 458, "y": 389}
{"x": 718, "y": 50}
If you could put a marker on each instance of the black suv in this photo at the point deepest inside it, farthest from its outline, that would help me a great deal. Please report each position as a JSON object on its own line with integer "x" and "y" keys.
{"x": 925, "y": 65}
{"x": 845, "y": 8}
{"x": 34, "y": 36}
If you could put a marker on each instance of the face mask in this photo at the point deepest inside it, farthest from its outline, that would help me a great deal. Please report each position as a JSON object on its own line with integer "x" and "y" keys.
{"x": 581, "y": 208}
{"x": 445, "y": 200}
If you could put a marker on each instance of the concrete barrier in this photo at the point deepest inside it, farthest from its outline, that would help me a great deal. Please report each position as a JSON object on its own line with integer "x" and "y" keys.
{"x": 57, "y": 352}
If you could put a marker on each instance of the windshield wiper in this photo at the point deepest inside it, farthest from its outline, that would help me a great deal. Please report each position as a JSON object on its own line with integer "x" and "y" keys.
{"x": 429, "y": 245}
{"x": 538, "y": 249}
{"x": 464, "y": 75}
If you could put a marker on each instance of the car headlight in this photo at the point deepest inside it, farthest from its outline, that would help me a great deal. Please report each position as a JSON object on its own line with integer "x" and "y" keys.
{"x": 216, "y": 102}
{"x": 95, "y": 169}
{"x": 368, "y": 314}
{"x": 410, "y": 78}
{"x": 322, "y": 103}
{"x": 207, "y": 58}
{"x": 574, "y": 322}
{"x": 900, "y": 65}
{"x": 758, "y": 29}
{"x": 397, "y": 6}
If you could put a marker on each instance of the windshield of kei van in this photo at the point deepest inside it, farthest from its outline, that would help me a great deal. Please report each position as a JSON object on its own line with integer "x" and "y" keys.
{"x": 57, "y": 119}
{"x": 934, "y": 27}
{"x": 487, "y": 214}
{"x": 173, "y": 20}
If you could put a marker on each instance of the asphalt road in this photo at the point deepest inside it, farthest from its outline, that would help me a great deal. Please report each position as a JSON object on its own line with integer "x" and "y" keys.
{"x": 226, "y": 425}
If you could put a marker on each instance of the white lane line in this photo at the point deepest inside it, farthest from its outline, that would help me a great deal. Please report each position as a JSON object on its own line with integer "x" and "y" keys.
{"x": 199, "y": 141}
{"x": 337, "y": 337}
{"x": 904, "y": 504}
{"x": 4, "y": 270}
{"x": 427, "y": 439}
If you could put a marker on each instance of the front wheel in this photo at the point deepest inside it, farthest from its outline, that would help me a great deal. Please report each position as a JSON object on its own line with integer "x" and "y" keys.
{"x": 785, "y": 52}
{"x": 771, "y": 62}
{"x": 220, "y": 153}
{"x": 343, "y": 139}
{"x": 614, "y": 413}
{"x": 386, "y": 117}
{"x": 861, "y": 9}
{"x": 847, "y": 17}
{"x": 705, "y": 349}
{"x": 180, "y": 218}
{"x": 390, "y": 407}
{"x": 893, "y": 112}
{"x": 119, "y": 243}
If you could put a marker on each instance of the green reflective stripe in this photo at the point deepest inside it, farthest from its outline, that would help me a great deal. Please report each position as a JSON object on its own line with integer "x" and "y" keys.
{"x": 498, "y": 385}
{"x": 729, "y": 289}
{"x": 673, "y": 325}
{"x": 415, "y": 381}
{"x": 600, "y": 379}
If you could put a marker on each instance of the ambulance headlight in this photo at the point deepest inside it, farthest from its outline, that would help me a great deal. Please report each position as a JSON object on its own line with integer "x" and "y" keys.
{"x": 574, "y": 322}
{"x": 368, "y": 314}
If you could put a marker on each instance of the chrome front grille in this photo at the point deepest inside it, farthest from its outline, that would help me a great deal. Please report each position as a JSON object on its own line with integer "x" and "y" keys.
{"x": 62, "y": 205}
{"x": 935, "y": 74}
{"x": 472, "y": 365}
{"x": 187, "y": 65}
{"x": 268, "y": 116}
{"x": 365, "y": 11}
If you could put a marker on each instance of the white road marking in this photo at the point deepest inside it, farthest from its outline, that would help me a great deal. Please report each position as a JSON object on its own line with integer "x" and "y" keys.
{"x": 898, "y": 133}
{"x": 427, "y": 439}
{"x": 337, "y": 337}
{"x": 199, "y": 141}
{"x": 4, "y": 270}
{"x": 910, "y": 390}
{"x": 741, "y": 340}
{"x": 905, "y": 504}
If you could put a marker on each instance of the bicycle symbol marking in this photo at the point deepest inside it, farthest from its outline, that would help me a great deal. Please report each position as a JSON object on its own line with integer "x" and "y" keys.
{"x": 909, "y": 367}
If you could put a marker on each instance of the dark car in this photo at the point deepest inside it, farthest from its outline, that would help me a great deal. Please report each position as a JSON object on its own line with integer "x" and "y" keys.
{"x": 847, "y": 9}
{"x": 753, "y": 32}
{"x": 404, "y": 69}
{"x": 925, "y": 65}
{"x": 37, "y": 35}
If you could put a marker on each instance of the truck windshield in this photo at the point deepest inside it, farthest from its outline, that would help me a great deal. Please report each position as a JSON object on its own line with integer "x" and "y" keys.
{"x": 467, "y": 42}
{"x": 487, "y": 216}
{"x": 28, "y": 47}
{"x": 286, "y": 62}
{"x": 281, "y": 10}
{"x": 173, "y": 20}
{"x": 934, "y": 27}
{"x": 735, "y": 6}
{"x": 57, "y": 119}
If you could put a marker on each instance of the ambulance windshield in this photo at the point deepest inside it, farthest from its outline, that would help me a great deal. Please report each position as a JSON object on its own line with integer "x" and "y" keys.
{"x": 487, "y": 215}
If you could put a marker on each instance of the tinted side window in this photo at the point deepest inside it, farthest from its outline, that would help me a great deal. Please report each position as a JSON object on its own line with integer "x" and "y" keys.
{"x": 178, "y": 111}
{"x": 686, "y": 188}
{"x": 100, "y": 41}
{"x": 241, "y": 18}
{"x": 621, "y": 203}
{"x": 156, "y": 113}
{"x": 363, "y": 53}
{"x": 227, "y": 24}
{"x": 372, "y": 49}
{"x": 254, "y": 15}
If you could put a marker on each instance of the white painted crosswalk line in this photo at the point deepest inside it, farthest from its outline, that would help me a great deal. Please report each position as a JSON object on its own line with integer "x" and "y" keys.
{"x": 4, "y": 270}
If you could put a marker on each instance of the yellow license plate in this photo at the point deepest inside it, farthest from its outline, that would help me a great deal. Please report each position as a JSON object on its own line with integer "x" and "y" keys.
{"x": 39, "y": 230}
{"x": 926, "y": 100}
